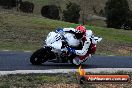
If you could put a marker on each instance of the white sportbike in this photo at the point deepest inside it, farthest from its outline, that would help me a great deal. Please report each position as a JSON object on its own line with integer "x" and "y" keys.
{"x": 55, "y": 49}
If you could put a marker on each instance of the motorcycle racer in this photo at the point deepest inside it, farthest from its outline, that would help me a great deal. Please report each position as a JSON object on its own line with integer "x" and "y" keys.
{"x": 85, "y": 36}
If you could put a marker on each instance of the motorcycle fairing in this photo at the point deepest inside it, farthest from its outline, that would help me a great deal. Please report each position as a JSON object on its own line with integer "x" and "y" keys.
{"x": 54, "y": 40}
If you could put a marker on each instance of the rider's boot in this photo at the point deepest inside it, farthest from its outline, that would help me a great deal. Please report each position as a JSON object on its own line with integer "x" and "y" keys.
{"x": 78, "y": 61}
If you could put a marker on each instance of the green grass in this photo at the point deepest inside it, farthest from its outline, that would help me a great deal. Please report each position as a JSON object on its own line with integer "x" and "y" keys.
{"x": 110, "y": 34}
{"x": 36, "y": 80}
{"x": 28, "y": 32}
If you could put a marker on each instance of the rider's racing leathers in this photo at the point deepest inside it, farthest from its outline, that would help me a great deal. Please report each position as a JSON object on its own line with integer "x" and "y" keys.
{"x": 85, "y": 40}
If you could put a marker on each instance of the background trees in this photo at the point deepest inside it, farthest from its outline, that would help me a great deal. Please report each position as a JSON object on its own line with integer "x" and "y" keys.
{"x": 8, "y": 4}
{"x": 116, "y": 13}
{"x": 50, "y": 11}
{"x": 26, "y": 7}
{"x": 71, "y": 14}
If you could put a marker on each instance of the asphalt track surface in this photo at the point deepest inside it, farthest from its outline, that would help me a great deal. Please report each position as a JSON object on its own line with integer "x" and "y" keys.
{"x": 10, "y": 61}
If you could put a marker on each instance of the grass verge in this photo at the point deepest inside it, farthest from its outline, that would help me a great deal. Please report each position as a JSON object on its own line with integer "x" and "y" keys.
{"x": 39, "y": 81}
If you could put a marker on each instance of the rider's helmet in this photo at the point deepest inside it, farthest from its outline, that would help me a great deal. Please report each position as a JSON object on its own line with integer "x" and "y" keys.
{"x": 80, "y": 31}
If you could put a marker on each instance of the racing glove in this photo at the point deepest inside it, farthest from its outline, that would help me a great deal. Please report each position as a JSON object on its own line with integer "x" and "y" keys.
{"x": 60, "y": 31}
{"x": 71, "y": 50}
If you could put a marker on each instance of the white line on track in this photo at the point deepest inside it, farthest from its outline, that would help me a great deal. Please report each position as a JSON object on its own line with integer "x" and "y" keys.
{"x": 51, "y": 71}
{"x": 12, "y": 50}
{"x": 5, "y": 50}
{"x": 28, "y": 51}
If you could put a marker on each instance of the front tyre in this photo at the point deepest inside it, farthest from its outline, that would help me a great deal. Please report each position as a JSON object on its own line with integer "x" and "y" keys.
{"x": 39, "y": 57}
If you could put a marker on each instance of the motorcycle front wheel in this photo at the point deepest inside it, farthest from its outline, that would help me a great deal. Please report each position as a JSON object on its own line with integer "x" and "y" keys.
{"x": 40, "y": 56}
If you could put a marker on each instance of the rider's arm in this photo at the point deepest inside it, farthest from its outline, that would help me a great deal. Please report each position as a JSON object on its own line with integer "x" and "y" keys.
{"x": 69, "y": 29}
{"x": 85, "y": 48}
{"x": 63, "y": 30}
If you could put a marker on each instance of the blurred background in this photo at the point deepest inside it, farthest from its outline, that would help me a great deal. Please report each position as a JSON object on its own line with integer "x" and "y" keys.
{"x": 24, "y": 24}
{"x": 102, "y": 13}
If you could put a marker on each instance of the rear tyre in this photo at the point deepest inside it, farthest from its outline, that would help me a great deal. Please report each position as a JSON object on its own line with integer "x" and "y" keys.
{"x": 39, "y": 57}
